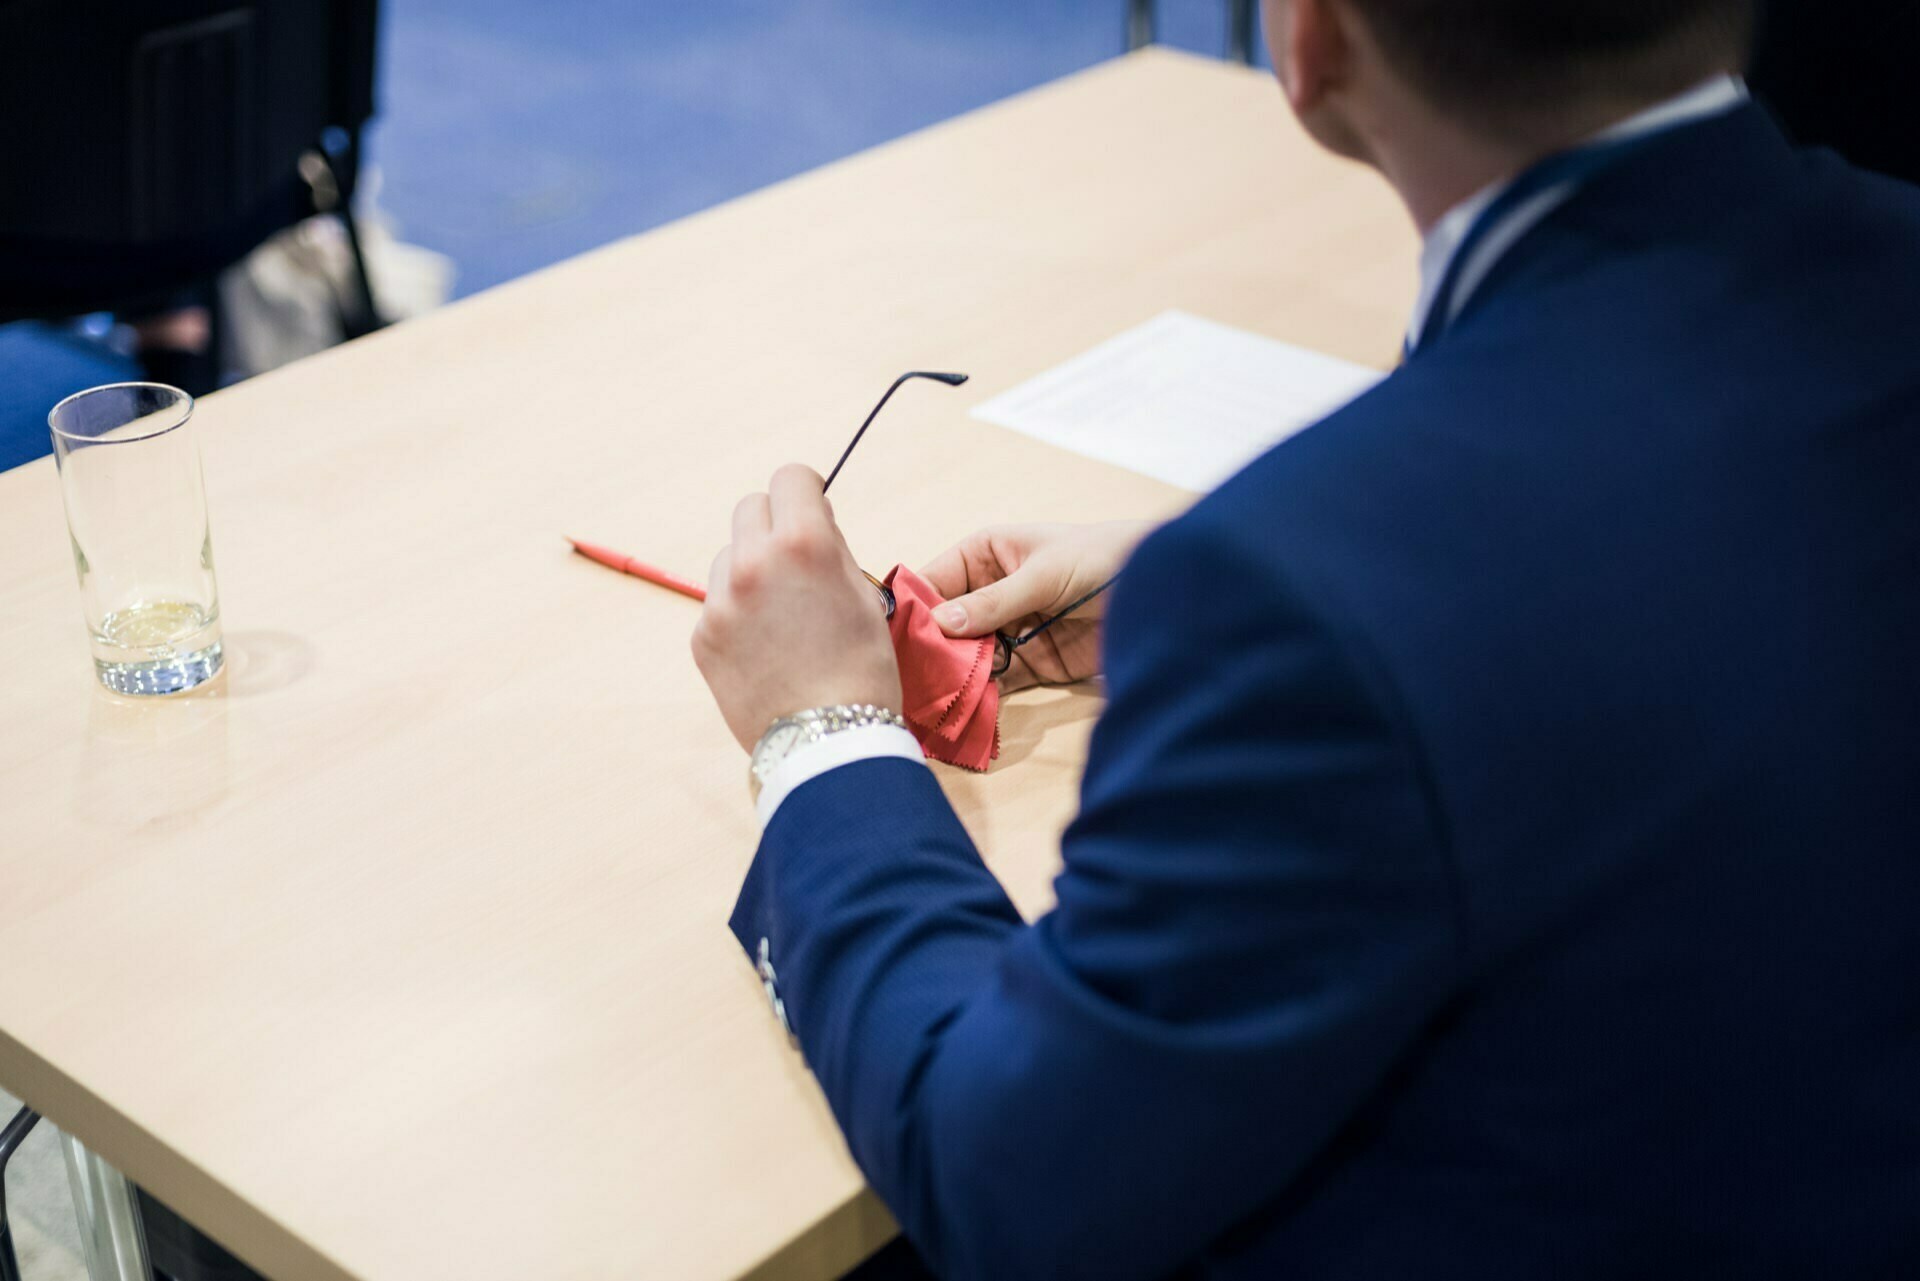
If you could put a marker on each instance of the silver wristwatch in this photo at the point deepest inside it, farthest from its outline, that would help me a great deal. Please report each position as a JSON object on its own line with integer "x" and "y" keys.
{"x": 789, "y": 733}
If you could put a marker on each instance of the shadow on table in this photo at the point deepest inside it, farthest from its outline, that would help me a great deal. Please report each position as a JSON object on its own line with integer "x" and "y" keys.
{"x": 1026, "y": 718}
{"x": 266, "y": 662}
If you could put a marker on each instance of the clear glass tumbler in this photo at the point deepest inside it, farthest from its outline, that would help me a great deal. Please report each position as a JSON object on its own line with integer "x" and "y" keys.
{"x": 137, "y": 510}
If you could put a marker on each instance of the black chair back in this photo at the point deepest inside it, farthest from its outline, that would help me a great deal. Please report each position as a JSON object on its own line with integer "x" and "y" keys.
{"x": 152, "y": 143}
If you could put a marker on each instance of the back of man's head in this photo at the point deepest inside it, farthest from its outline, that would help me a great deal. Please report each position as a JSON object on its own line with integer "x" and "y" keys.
{"x": 1499, "y": 62}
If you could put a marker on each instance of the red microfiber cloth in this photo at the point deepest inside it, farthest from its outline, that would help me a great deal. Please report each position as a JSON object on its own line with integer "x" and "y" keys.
{"x": 952, "y": 702}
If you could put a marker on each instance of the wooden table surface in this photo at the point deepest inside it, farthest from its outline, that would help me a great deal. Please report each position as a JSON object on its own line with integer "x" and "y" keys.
{"x": 400, "y": 952}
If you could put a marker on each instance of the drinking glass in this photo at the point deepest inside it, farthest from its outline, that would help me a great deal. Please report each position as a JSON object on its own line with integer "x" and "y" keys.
{"x": 137, "y": 512}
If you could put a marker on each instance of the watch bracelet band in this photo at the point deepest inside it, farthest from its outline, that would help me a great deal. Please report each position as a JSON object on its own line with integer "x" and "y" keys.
{"x": 817, "y": 723}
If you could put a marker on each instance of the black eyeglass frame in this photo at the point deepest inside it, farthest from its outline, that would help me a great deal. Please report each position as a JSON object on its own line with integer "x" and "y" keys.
{"x": 1005, "y": 644}
{"x": 952, "y": 380}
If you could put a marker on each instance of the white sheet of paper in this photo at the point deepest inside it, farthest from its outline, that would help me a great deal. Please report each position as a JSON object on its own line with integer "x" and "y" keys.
{"x": 1181, "y": 399}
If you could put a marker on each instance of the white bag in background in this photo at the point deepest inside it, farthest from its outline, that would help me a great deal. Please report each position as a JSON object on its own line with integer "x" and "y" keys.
{"x": 284, "y": 300}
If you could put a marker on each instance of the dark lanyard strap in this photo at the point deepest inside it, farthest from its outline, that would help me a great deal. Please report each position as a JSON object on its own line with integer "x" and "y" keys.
{"x": 1570, "y": 168}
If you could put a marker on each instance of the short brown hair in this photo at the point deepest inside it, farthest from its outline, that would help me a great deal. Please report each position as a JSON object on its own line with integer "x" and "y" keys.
{"x": 1493, "y": 59}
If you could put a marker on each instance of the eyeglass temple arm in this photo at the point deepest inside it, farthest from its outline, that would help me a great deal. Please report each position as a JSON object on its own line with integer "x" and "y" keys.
{"x": 1005, "y": 644}
{"x": 951, "y": 380}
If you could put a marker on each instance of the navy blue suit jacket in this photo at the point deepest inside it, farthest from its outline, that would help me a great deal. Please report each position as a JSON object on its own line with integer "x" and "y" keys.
{"x": 1500, "y": 855}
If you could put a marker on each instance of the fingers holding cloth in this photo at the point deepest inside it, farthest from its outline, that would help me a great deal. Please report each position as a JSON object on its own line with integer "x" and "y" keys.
{"x": 791, "y": 622}
{"x": 952, "y": 702}
{"x": 1017, "y": 579}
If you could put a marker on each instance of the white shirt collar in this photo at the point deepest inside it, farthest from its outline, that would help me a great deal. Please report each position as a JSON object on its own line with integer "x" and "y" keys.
{"x": 1714, "y": 97}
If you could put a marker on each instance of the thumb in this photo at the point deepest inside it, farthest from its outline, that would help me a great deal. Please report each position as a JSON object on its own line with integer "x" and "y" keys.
{"x": 983, "y": 612}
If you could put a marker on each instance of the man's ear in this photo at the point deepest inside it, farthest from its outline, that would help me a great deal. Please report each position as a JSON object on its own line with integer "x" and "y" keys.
{"x": 1313, "y": 52}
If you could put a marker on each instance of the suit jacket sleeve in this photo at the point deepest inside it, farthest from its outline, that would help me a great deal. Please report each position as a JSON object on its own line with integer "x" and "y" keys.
{"x": 1255, "y": 918}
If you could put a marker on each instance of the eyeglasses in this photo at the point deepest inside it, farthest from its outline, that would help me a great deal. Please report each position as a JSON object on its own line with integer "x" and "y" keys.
{"x": 1005, "y": 644}
{"x": 951, "y": 380}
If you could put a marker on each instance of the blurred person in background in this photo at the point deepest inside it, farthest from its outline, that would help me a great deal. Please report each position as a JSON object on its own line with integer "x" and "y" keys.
{"x": 1500, "y": 852}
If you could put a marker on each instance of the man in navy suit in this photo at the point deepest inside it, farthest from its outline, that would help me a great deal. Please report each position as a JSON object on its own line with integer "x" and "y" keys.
{"x": 1500, "y": 855}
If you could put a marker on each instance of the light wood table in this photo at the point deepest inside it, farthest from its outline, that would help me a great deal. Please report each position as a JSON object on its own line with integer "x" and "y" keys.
{"x": 400, "y": 952}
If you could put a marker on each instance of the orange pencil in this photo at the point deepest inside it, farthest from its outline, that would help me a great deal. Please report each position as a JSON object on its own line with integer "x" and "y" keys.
{"x": 639, "y": 569}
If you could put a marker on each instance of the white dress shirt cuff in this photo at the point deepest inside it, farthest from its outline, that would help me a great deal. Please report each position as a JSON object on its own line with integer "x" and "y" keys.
{"x": 810, "y": 760}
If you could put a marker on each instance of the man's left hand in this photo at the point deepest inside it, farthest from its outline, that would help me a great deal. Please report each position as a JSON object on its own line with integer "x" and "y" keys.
{"x": 790, "y": 622}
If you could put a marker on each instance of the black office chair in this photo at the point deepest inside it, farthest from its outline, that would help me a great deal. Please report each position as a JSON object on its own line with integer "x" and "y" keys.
{"x": 152, "y": 145}
{"x": 1838, "y": 73}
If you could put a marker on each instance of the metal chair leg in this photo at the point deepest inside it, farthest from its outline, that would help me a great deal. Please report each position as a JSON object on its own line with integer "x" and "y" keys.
{"x": 1240, "y": 37}
{"x": 323, "y": 183}
{"x": 112, "y": 1239}
{"x": 1140, "y": 24}
{"x": 11, "y": 1138}
{"x": 369, "y": 319}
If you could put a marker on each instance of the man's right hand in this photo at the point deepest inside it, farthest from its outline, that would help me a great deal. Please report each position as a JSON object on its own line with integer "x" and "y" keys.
{"x": 1012, "y": 578}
